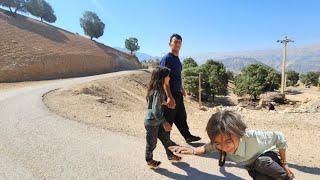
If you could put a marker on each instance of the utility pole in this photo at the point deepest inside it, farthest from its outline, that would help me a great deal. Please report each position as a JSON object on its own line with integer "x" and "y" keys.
{"x": 319, "y": 82}
{"x": 285, "y": 41}
{"x": 200, "y": 104}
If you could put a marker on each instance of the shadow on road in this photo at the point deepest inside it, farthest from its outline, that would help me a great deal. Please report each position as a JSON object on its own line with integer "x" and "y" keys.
{"x": 193, "y": 173}
{"x": 306, "y": 169}
{"x": 196, "y": 144}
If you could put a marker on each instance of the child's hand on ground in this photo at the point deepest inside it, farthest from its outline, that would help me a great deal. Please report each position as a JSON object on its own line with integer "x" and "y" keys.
{"x": 181, "y": 150}
{"x": 167, "y": 127}
{"x": 288, "y": 170}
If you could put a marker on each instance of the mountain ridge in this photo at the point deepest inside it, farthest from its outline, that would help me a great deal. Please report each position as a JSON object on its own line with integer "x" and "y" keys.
{"x": 301, "y": 59}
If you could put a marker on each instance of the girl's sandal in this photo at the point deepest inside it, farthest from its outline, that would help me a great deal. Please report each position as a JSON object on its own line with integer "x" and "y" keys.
{"x": 153, "y": 164}
{"x": 175, "y": 158}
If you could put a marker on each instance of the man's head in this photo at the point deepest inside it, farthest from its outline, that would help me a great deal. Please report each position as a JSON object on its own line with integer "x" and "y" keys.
{"x": 175, "y": 42}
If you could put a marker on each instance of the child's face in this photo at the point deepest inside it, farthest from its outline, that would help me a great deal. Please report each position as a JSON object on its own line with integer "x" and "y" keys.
{"x": 226, "y": 143}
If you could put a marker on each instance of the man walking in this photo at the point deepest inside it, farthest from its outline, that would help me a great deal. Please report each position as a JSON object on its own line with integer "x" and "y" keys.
{"x": 175, "y": 111}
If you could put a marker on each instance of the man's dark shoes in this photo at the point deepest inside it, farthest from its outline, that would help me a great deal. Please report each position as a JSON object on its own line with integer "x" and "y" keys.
{"x": 192, "y": 138}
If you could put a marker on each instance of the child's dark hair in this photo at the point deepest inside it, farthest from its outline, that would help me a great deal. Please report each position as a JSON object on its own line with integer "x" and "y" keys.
{"x": 157, "y": 80}
{"x": 225, "y": 122}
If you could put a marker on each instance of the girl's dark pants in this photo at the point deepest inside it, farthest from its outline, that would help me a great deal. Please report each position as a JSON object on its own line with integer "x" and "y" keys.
{"x": 267, "y": 167}
{"x": 153, "y": 133}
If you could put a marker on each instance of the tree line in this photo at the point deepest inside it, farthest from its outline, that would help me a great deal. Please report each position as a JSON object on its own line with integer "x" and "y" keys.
{"x": 38, "y": 8}
{"x": 253, "y": 80}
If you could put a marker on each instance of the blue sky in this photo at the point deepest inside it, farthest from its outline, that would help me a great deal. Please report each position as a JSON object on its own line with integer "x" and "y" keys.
{"x": 205, "y": 25}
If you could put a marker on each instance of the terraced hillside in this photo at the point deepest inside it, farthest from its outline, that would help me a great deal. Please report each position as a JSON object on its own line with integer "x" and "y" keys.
{"x": 31, "y": 50}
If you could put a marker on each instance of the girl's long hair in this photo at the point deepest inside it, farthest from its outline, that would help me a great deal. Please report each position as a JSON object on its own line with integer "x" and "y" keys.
{"x": 157, "y": 81}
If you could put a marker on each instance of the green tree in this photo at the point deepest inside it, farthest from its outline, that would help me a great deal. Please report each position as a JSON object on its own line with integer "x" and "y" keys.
{"x": 273, "y": 80}
{"x": 256, "y": 79}
{"x": 132, "y": 44}
{"x": 304, "y": 80}
{"x": 14, "y": 5}
{"x": 214, "y": 78}
{"x": 310, "y": 79}
{"x": 35, "y": 7}
{"x": 292, "y": 78}
{"x": 48, "y": 13}
{"x": 230, "y": 75}
{"x": 92, "y": 25}
{"x": 189, "y": 62}
{"x": 190, "y": 78}
{"x": 41, "y": 9}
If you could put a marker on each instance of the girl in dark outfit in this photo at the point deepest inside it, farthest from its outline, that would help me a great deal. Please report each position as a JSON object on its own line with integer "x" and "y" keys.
{"x": 155, "y": 123}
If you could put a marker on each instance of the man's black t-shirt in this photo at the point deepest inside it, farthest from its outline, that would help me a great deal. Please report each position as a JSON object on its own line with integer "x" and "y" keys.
{"x": 173, "y": 63}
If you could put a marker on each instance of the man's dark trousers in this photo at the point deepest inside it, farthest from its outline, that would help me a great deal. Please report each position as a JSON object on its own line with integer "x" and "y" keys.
{"x": 178, "y": 116}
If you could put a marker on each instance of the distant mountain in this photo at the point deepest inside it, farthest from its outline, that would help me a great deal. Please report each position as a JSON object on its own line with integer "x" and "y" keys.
{"x": 302, "y": 60}
{"x": 140, "y": 56}
{"x": 237, "y": 63}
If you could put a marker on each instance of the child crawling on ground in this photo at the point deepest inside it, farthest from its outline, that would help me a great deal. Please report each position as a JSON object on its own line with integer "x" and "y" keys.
{"x": 257, "y": 151}
{"x": 155, "y": 124}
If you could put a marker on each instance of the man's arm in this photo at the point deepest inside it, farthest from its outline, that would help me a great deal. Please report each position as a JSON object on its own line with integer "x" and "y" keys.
{"x": 171, "y": 103}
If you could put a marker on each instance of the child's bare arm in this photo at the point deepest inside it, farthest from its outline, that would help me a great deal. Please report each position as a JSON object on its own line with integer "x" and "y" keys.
{"x": 268, "y": 139}
{"x": 284, "y": 163}
{"x": 187, "y": 150}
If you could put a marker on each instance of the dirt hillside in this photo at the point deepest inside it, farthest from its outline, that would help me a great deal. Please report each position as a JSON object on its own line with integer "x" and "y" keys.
{"x": 31, "y": 50}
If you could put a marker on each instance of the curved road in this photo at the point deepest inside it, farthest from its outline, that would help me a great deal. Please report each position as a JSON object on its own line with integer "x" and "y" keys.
{"x": 38, "y": 144}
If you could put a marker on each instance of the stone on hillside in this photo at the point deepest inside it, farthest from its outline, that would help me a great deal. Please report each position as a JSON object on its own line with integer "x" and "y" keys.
{"x": 313, "y": 106}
